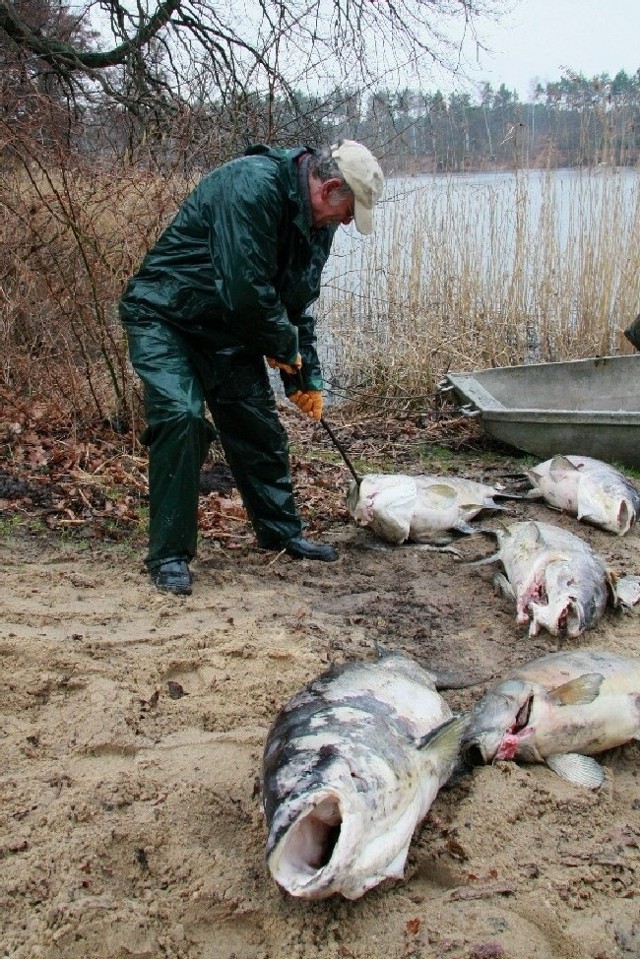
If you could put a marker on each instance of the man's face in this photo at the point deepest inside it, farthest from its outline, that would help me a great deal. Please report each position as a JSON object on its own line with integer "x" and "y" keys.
{"x": 329, "y": 205}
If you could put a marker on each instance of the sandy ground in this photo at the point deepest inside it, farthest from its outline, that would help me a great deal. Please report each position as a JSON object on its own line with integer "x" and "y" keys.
{"x": 131, "y": 739}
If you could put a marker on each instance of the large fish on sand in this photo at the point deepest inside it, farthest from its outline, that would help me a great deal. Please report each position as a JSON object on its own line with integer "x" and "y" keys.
{"x": 351, "y": 765}
{"x": 557, "y": 581}
{"x": 559, "y": 710}
{"x": 421, "y": 509}
{"x": 589, "y": 489}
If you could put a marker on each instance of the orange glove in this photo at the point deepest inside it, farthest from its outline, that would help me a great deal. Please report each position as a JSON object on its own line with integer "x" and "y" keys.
{"x": 309, "y": 401}
{"x": 287, "y": 367}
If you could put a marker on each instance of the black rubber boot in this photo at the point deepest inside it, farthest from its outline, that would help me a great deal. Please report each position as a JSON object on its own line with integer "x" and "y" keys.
{"x": 172, "y": 577}
{"x": 301, "y": 548}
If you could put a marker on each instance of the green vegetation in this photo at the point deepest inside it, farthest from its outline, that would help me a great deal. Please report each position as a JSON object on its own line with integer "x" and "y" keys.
{"x": 8, "y": 526}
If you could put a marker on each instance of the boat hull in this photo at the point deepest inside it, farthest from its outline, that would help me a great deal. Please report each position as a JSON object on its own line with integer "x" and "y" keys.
{"x": 585, "y": 407}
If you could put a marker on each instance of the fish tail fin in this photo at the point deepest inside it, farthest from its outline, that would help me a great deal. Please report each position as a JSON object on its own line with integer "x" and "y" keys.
{"x": 445, "y": 739}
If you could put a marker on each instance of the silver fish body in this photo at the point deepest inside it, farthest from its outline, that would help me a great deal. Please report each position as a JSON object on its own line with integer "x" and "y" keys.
{"x": 556, "y": 579}
{"x": 559, "y": 709}
{"x": 351, "y": 765}
{"x": 420, "y": 509}
{"x": 589, "y": 489}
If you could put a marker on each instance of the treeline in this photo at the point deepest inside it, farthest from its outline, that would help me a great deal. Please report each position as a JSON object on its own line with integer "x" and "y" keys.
{"x": 572, "y": 122}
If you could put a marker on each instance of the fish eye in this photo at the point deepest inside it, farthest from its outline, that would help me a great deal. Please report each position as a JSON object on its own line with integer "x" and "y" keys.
{"x": 523, "y": 714}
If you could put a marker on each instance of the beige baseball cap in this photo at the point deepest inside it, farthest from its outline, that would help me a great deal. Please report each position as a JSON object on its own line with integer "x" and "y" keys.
{"x": 362, "y": 172}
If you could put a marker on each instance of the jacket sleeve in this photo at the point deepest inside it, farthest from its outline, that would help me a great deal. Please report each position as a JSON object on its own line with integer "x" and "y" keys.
{"x": 244, "y": 214}
{"x": 311, "y": 369}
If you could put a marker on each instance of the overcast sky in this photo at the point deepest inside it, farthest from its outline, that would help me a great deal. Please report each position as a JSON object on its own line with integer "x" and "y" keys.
{"x": 540, "y": 37}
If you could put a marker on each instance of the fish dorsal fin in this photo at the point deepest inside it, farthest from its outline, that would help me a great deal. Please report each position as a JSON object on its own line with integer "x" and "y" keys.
{"x": 445, "y": 738}
{"x": 560, "y": 464}
{"x": 577, "y": 692}
{"x": 577, "y": 769}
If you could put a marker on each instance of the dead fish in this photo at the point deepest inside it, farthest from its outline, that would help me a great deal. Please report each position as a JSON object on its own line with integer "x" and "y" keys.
{"x": 560, "y": 710}
{"x": 351, "y": 765}
{"x": 557, "y": 581}
{"x": 420, "y": 509}
{"x": 589, "y": 489}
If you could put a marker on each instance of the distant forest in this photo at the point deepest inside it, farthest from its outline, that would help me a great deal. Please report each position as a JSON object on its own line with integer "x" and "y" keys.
{"x": 573, "y": 122}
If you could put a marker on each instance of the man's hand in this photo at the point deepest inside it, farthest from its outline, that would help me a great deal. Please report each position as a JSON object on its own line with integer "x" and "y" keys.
{"x": 287, "y": 367}
{"x": 309, "y": 401}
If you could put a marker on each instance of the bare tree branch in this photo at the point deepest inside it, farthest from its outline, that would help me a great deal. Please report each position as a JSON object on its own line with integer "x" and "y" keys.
{"x": 55, "y": 51}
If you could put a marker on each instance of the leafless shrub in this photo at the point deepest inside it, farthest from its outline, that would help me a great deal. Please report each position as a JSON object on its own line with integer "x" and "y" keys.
{"x": 73, "y": 231}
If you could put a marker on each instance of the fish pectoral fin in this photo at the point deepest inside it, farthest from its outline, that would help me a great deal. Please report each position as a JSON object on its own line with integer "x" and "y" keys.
{"x": 434, "y": 548}
{"x": 445, "y": 739}
{"x": 577, "y": 769}
{"x": 502, "y": 584}
{"x": 577, "y": 692}
{"x": 443, "y": 490}
{"x": 466, "y": 528}
{"x": 490, "y": 503}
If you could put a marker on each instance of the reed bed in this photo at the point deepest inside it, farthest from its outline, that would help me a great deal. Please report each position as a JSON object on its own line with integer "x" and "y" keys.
{"x": 466, "y": 272}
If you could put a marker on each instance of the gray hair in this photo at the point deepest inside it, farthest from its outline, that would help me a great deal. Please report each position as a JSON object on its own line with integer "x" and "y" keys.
{"x": 323, "y": 167}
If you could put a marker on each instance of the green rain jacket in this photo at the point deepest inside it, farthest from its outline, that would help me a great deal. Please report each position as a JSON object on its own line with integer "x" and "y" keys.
{"x": 238, "y": 268}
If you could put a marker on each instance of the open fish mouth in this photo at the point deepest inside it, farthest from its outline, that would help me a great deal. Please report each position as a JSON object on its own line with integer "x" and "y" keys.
{"x": 626, "y": 518}
{"x": 566, "y": 620}
{"x": 473, "y": 754}
{"x": 486, "y": 744}
{"x": 570, "y": 620}
{"x": 308, "y": 845}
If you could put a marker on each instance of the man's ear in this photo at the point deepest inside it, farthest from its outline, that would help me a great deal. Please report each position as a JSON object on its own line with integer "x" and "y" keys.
{"x": 329, "y": 186}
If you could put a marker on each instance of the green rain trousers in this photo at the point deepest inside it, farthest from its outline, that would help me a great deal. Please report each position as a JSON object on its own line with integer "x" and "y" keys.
{"x": 179, "y": 377}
